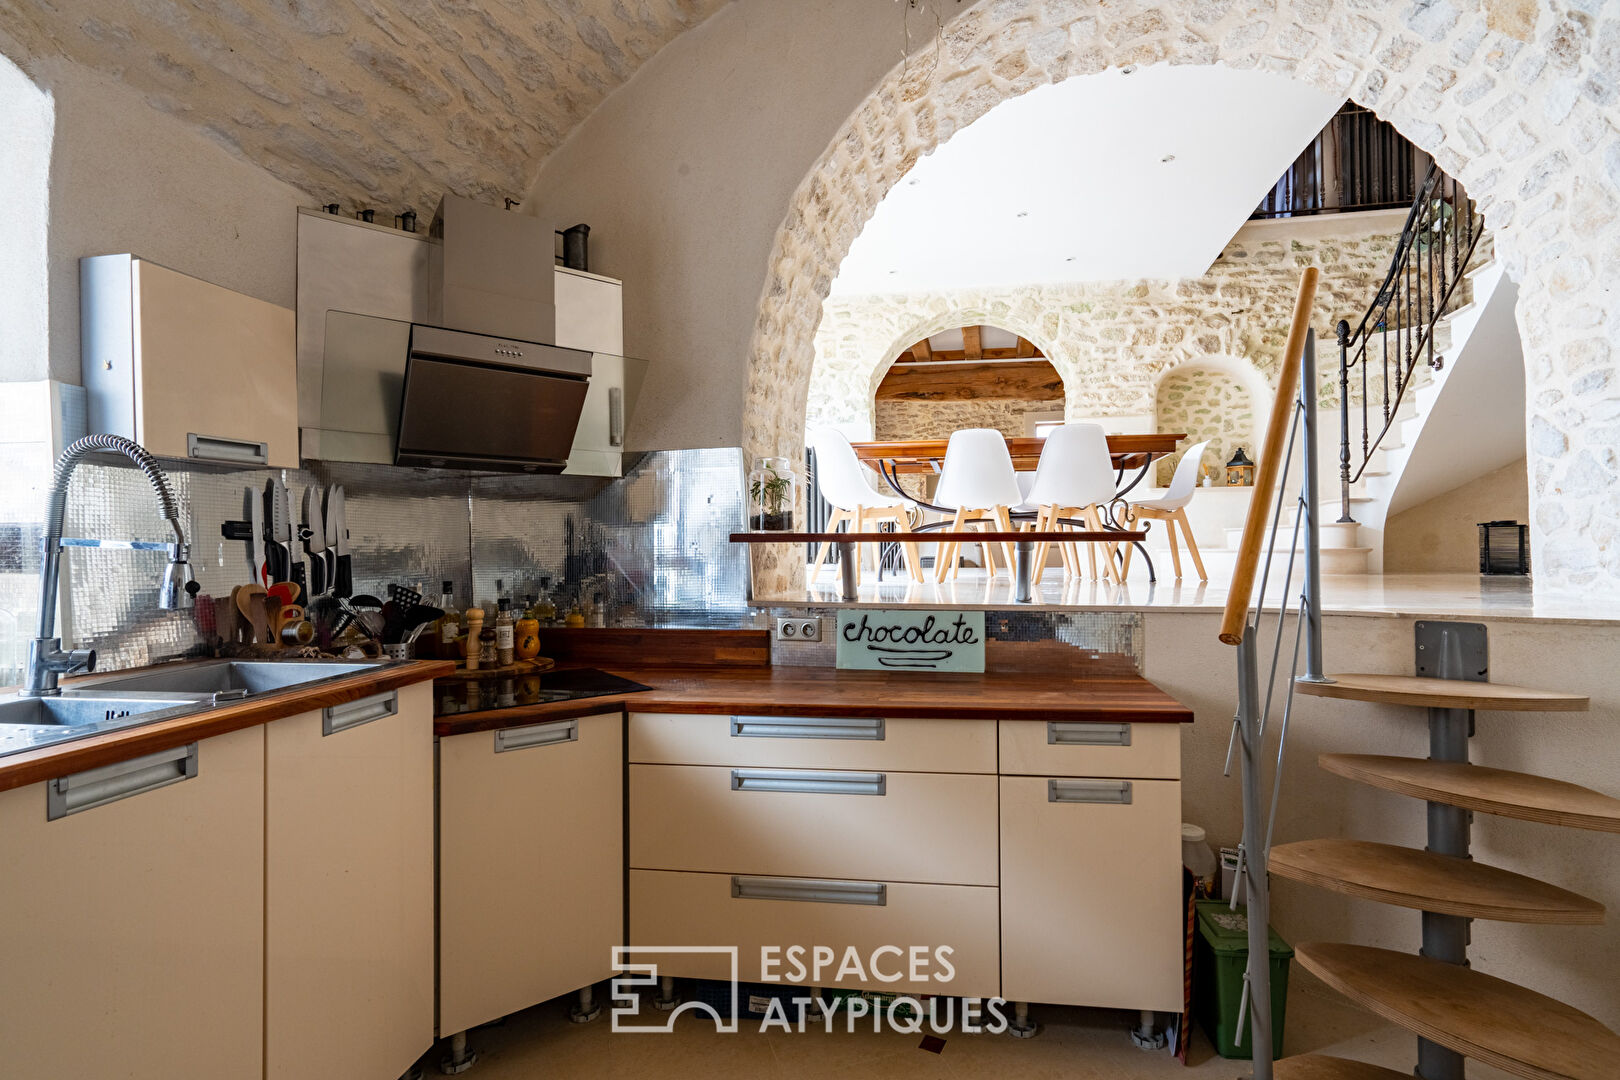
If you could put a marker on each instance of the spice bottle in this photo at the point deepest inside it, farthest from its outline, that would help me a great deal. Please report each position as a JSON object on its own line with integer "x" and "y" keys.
{"x": 486, "y": 647}
{"x": 503, "y": 632}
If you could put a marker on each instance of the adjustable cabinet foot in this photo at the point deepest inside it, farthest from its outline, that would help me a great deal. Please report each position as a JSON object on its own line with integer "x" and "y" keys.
{"x": 460, "y": 1058}
{"x": 1147, "y": 1035}
{"x": 586, "y": 1008}
{"x": 667, "y": 998}
{"x": 1022, "y": 1026}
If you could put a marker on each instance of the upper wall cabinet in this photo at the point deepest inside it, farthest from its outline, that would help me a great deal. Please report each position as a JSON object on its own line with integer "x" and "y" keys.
{"x": 186, "y": 368}
{"x": 590, "y": 312}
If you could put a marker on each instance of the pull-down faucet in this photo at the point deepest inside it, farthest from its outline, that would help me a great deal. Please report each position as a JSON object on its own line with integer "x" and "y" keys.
{"x": 46, "y": 659}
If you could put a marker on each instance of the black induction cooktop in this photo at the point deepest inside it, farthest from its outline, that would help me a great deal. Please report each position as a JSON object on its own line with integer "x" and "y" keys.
{"x": 464, "y": 695}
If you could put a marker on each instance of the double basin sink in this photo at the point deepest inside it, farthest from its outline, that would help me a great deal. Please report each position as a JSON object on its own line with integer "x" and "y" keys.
{"x": 142, "y": 697}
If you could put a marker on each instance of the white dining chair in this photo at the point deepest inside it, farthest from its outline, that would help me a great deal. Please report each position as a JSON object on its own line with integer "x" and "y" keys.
{"x": 1172, "y": 509}
{"x": 978, "y": 484}
{"x": 843, "y": 483}
{"x": 1074, "y": 479}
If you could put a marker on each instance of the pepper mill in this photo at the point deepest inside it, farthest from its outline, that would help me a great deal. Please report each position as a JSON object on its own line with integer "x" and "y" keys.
{"x": 470, "y": 647}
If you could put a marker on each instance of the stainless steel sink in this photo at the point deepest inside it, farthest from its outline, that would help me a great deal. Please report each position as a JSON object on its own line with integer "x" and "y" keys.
{"x": 26, "y": 722}
{"x": 227, "y": 679}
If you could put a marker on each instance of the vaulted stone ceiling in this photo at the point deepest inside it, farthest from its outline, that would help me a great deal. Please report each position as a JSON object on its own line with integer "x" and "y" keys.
{"x": 376, "y": 102}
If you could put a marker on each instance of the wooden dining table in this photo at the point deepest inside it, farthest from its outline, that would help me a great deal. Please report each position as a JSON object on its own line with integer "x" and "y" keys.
{"x": 896, "y": 459}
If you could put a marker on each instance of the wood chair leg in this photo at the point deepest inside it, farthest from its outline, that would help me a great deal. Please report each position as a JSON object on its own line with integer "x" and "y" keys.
{"x": 1094, "y": 522}
{"x": 947, "y": 548}
{"x": 908, "y": 549}
{"x": 1130, "y": 549}
{"x": 1175, "y": 553}
{"x": 1042, "y": 548}
{"x": 1003, "y": 521}
{"x": 833, "y": 521}
{"x": 1192, "y": 545}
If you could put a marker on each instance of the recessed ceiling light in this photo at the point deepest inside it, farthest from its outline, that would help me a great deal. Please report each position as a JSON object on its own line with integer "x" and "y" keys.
{"x": 1069, "y": 259}
{"x": 1167, "y": 159}
{"x": 1023, "y": 213}
{"x": 1127, "y": 69}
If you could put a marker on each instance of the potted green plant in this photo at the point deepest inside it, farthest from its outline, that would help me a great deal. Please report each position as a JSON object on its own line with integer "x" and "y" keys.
{"x": 770, "y": 495}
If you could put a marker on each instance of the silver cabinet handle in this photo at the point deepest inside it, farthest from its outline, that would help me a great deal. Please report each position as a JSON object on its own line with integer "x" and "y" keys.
{"x": 219, "y": 448}
{"x": 868, "y": 728}
{"x": 819, "y": 782}
{"x": 354, "y": 713}
{"x": 615, "y": 416}
{"x": 1073, "y": 733}
{"x": 97, "y": 787}
{"x": 1089, "y": 791}
{"x": 551, "y": 733}
{"x": 810, "y": 890}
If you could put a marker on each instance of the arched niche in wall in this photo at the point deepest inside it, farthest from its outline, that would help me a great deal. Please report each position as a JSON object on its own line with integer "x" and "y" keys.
{"x": 969, "y": 376}
{"x": 1214, "y": 398}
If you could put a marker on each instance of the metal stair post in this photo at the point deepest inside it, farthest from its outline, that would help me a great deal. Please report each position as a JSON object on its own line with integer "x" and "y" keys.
{"x": 1257, "y": 888}
{"x": 1307, "y": 502}
{"x": 1447, "y": 650}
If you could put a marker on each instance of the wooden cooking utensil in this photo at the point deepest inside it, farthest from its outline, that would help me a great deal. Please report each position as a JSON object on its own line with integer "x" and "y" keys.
{"x": 250, "y": 601}
{"x": 286, "y": 591}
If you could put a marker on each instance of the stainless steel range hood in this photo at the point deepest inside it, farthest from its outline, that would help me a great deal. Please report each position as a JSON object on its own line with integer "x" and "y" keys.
{"x": 472, "y": 401}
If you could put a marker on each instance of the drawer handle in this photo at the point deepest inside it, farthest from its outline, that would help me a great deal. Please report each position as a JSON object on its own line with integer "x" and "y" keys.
{"x": 554, "y": 733}
{"x": 1070, "y": 733}
{"x": 615, "y": 416}
{"x": 97, "y": 787}
{"x": 1089, "y": 791}
{"x": 866, "y": 728}
{"x": 810, "y": 890}
{"x": 218, "y": 448}
{"x": 815, "y": 782}
{"x": 338, "y": 718}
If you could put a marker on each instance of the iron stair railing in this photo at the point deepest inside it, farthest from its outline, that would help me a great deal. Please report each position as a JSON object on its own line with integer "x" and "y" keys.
{"x": 1397, "y": 330}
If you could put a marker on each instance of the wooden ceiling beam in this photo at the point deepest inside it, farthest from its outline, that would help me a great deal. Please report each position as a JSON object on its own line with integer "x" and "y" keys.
{"x": 994, "y": 353}
{"x": 972, "y": 343}
{"x": 922, "y": 352}
{"x": 1034, "y": 380}
{"x": 1026, "y": 349}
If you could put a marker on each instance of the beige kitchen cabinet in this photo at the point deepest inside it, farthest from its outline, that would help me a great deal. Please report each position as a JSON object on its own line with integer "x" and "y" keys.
{"x": 132, "y": 917}
{"x": 186, "y": 368}
{"x": 348, "y": 858}
{"x": 1091, "y": 907}
{"x": 590, "y": 311}
{"x": 531, "y": 864}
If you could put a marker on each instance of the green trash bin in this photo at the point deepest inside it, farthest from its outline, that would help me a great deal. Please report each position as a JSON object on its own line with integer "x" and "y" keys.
{"x": 1220, "y": 953}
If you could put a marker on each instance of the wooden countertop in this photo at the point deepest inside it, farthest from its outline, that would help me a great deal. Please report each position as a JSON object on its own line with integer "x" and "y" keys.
{"x": 49, "y": 762}
{"x": 1079, "y": 694}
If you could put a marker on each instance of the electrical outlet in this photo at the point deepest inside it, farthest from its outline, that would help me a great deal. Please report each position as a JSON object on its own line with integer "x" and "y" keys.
{"x": 804, "y": 628}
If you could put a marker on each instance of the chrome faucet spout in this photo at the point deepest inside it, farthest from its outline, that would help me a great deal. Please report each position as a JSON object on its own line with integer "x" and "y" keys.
{"x": 46, "y": 659}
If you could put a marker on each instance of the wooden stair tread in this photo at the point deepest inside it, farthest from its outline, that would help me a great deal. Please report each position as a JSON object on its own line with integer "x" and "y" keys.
{"x": 1442, "y": 693}
{"x": 1318, "y": 1067}
{"x": 1407, "y": 877}
{"x": 1477, "y": 1015}
{"x": 1476, "y": 787}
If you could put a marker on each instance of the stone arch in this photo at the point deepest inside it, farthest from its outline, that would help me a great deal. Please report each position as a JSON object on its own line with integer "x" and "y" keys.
{"x": 845, "y": 373}
{"x": 1515, "y": 101}
{"x": 1212, "y": 397}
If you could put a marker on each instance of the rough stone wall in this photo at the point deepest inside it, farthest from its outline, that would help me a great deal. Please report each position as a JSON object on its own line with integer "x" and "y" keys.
{"x": 937, "y": 419}
{"x": 372, "y": 103}
{"x": 1206, "y": 403}
{"x": 1113, "y": 341}
{"x": 1517, "y": 98}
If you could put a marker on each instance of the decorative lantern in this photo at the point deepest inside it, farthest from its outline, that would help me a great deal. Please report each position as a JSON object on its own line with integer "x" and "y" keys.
{"x": 1240, "y": 470}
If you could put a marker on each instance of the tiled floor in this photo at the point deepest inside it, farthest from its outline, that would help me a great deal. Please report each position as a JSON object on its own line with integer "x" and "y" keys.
{"x": 1073, "y": 1044}
{"x": 1403, "y": 595}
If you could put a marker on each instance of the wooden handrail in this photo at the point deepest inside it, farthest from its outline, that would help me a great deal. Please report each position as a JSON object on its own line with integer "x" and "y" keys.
{"x": 1266, "y": 478}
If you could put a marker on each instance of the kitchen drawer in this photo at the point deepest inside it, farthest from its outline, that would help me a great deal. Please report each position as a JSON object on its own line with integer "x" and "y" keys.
{"x": 1091, "y": 907}
{"x": 1074, "y": 748}
{"x": 674, "y": 909}
{"x": 814, "y": 742}
{"x": 929, "y": 827}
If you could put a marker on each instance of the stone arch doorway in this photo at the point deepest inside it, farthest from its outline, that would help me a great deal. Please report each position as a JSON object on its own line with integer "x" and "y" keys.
{"x": 854, "y": 351}
{"x": 1494, "y": 94}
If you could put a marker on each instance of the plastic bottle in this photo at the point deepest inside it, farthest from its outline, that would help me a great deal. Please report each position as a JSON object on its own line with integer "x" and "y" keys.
{"x": 1197, "y": 857}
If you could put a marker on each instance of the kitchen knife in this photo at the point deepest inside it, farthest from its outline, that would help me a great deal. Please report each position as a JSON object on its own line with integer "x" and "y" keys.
{"x": 295, "y": 550}
{"x": 314, "y": 542}
{"x": 275, "y": 511}
{"x": 337, "y": 533}
{"x": 256, "y": 524}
